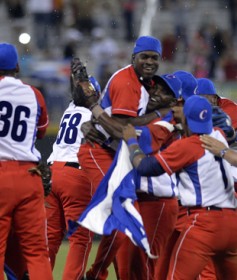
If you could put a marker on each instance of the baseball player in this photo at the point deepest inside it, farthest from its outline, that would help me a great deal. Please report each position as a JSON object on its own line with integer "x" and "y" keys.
{"x": 71, "y": 188}
{"x": 207, "y": 190}
{"x": 156, "y": 197}
{"x": 191, "y": 86}
{"x": 206, "y": 88}
{"x": 23, "y": 118}
{"x": 125, "y": 97}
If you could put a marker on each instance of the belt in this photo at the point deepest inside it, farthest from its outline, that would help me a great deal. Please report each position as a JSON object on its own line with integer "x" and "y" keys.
{"x": 208, "y": 208}
{"x": 62, "y": 164}
{"x": 73, "y": 164}
{"x": 142, "y": 196}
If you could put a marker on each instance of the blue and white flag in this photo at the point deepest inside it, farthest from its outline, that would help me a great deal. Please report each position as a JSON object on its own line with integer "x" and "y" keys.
{"x": 9, "y": 273}
{"x": 112, "y": 208}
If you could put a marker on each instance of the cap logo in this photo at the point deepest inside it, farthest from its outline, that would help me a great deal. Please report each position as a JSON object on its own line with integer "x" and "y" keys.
{"x": 195, "y": 90}
{"x": 170, "y": 76}
{"x": 203, "y": 114}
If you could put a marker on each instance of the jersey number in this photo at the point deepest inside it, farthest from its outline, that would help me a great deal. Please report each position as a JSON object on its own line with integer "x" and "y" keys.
{"x": 19, "y": 128}
{"x": 69, "y": 130}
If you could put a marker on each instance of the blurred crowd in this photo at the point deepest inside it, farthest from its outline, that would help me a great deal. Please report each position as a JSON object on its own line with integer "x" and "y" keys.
{"x": 102, "y": 34}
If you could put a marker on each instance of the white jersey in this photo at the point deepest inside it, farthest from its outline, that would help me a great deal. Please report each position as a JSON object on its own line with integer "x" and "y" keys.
{"x": 205, "y": 179}
{"x": 161, "y": 186}
{"x": 19, "y": 114}
{"x": 69, "y": 137}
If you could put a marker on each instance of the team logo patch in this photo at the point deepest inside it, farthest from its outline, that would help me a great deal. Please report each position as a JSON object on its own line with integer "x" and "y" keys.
{"x": 203, "y": 114}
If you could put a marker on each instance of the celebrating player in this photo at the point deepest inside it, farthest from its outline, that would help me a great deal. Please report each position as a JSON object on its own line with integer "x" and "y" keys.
{"x": 23, "y": 118}
{"x": 212, "y": 212}
{"x": 71, "y": 188}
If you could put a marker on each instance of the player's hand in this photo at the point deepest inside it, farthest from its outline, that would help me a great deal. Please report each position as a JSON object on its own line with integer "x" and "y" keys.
{"x": 91, "y": 134}
{"x": 129, "y": 132}
{"x": 44, "y": 171}
{"x": 211, "y": 144}
{"x": 78, "y": 71}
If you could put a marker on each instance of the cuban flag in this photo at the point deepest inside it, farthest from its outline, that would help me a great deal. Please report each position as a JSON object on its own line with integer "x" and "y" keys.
{"x": 112, "y": 206}
{"x": 9, "y": 273}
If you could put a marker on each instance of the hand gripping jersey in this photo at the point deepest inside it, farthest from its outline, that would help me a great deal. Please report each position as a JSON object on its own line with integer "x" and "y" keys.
{"x": 22, "y": 115}
{"x": 69, "y": 137}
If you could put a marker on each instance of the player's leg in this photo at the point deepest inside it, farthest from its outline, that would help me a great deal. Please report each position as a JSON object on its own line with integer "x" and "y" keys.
{"x": 105, "y": 256}
{"x": 226, "y": 265}
{"x": 195, "y": 246}
{"x": 159, "y": 217}
{"x": 30, "y": 224}
{"x": 55, "y": 223}
{"x": 209, "y": 272}
{"x": 162, "y": 266}
{"x": 13, "y": 256}
{"x": 75, "y": 199}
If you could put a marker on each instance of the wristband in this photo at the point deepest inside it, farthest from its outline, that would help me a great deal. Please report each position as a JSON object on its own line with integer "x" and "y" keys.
{"x": 223, "y": 152}
{"x": 132, "y": 141}
{"x": 135, "y": 153}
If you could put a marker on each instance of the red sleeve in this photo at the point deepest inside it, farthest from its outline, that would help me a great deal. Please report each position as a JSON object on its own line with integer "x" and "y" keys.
{"x": 230, "y": 108}
{"x": 43, "y": 120}
{"x": 125, "y": 92}
{"x": 160, "y": 135}
{"x": 180, "y": 154}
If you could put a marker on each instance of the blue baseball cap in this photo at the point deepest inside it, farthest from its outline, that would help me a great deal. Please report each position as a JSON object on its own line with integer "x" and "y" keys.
{"x": 172, "y": 82}
{"x": 147, "y": 43}
{"x": 189, "y": 83}
{"x": 95, "y": 84}
{"x": 205, "y": 86}
{"x": 198, "y": 113}
{"x": 8, "y": 57}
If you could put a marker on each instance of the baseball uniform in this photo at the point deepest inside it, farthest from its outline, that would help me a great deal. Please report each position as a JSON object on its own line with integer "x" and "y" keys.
{"x": 71, "y": 193}
{"x": 23, "y": 118}
{"x": 207, "y": 190}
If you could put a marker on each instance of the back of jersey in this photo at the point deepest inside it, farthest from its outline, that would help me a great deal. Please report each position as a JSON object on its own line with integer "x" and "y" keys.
{"x": 19, "y": 114}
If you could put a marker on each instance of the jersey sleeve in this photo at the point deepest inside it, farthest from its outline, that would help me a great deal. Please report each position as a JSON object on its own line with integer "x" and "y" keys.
{"x": 124, "y": 97}
{"x": 180, "y": 154}
{"x": 154, "y": 136}
{"x": 43, "y": 120}
{"x": 230, "y": 108}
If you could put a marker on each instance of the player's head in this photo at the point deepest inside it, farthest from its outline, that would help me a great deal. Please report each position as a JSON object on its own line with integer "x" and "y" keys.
{"x": 79, "y": 98}
{"x": 189, "y": 83}
{"x": 206, "y": 88}
{"x": 8, "y": 58}
{"x": 146, "y": 55}
{"x": 165, "y": 93}
{"x": 198, "y": 114}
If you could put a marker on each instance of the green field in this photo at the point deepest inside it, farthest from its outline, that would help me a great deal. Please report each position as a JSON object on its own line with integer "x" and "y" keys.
{"x": 58, "y": 270}
{"x": 61, "y": 257}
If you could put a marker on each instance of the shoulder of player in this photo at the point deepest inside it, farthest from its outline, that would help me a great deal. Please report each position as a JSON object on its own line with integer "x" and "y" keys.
{"x": 124, "y": 76}
{"x": 222, "y": 102}
{"x": 188, "y": 145}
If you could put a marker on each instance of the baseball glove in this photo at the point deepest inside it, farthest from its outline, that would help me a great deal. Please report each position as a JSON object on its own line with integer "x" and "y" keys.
{"x": 44, "y": 171}
{"x": 83, "y": 92}
{"x": 222, "y": 120}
